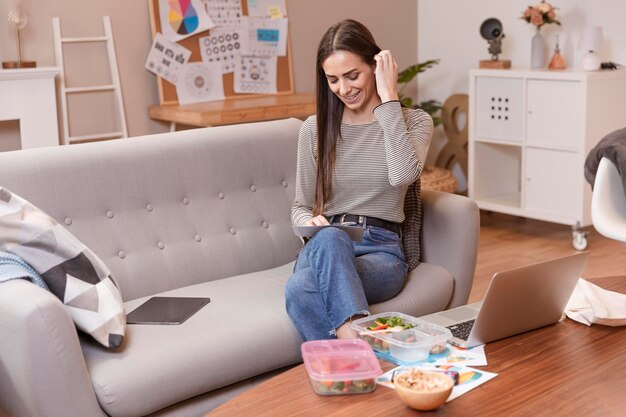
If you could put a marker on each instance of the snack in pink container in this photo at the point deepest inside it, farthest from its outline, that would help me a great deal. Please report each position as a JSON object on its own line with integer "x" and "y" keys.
{"x": 340, "y": 366}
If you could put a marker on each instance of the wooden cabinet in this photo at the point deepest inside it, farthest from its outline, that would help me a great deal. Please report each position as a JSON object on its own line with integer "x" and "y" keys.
{"x": 529, "y": 134}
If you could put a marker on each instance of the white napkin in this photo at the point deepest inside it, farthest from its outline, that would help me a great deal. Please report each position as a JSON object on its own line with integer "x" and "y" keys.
{"x": 591, "y": 304}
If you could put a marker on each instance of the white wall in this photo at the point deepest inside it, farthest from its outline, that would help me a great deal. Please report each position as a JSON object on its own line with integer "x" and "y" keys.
{"x": 449, "y": 30}
{"x": 393, "y": 26}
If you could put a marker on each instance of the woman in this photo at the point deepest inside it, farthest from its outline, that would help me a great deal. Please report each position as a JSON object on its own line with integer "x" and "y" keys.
{"x": 356, "y": 159}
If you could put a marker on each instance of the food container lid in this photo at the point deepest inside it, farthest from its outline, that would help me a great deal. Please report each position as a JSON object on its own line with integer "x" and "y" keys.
{"x": 340, "y": 359}
{"x": 428, "y": 333}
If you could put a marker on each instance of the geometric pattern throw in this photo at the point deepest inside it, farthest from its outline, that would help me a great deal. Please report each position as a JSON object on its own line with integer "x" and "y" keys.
{"x": 72, "y": 272}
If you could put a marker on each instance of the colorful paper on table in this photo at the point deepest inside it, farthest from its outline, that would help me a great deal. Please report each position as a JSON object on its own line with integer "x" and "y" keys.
{"x": 451, "y": 355}
{"x": 469, "y": 378}
{"x": 183, "y": 18}
{"x": 166, "y": 58}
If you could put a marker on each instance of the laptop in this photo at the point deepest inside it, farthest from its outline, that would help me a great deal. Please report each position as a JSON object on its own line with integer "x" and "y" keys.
{"x": 517, "y": 300}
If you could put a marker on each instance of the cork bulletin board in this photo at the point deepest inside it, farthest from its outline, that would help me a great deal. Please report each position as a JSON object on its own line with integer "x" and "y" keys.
{"x": 167, "y": 91}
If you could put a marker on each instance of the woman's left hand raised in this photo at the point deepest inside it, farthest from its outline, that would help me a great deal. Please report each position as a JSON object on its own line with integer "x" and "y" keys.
{"x": 386, "y": 76}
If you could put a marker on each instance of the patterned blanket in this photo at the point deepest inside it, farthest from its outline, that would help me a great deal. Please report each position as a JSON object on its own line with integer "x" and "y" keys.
{"x": 69, "y": 269}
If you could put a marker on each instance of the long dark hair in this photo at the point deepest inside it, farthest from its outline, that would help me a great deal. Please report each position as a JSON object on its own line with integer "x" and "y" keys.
{"x": 351, "y": 36}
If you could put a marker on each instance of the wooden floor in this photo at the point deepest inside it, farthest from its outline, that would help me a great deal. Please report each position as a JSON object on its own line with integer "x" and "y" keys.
{"x": 508, "y": 242}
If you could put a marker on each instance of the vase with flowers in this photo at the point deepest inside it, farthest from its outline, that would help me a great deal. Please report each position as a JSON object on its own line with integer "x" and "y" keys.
{"x": 539, "y": 15}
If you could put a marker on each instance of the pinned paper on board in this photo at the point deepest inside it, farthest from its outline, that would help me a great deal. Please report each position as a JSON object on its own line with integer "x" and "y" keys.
{"x": 200, "y": 82}
{"x": 183, "y": 18}
{"x": 256, "y": 75}
{"x": 276, "y": 9}
{"x": 219, "y": 32}
{"x": 223, "y": 46}
{"x": 225, "y": 13}
{"x": 166, "y": 58}
{"x": 266, "y": 37}
{"x": 275, "y": 12}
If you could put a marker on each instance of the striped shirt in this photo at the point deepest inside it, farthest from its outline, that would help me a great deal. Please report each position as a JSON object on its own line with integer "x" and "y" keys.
{"x": 375, "y": 164}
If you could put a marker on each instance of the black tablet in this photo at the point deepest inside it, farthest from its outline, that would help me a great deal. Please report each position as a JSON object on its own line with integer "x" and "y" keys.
{"x": 166, "y": 310}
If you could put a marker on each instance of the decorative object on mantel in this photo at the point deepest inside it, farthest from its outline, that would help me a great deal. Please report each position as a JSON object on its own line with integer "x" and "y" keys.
{"x": 17, "y": 17}
{"x": 591, "y": 42}
{"x": 491, "y": 30}
{"x": 539, "y": 15}
{"x": 557, "y": 62}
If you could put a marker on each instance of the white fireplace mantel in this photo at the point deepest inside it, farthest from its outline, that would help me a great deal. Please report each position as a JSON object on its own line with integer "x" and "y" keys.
{"x": 28, "y": 95}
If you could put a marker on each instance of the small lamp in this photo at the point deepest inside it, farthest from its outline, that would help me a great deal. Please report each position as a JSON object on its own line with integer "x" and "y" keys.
{"x": 591, "y": 42}
{"x": 491, "y": 31}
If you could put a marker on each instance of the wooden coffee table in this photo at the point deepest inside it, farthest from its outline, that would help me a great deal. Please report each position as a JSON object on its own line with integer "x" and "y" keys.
{"x": 567, "y": 369}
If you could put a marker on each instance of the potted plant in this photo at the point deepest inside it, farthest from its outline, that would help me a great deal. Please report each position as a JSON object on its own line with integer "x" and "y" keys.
{"x": 431, "y": 107}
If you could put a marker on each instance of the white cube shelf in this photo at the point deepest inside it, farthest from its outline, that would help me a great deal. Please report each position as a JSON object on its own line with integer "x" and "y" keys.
{"x": 501, "y": 114}
{"x": 529, "y": 134}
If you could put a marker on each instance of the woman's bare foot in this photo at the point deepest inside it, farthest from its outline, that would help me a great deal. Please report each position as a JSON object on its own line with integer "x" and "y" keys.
{"x": 345, "y": 331}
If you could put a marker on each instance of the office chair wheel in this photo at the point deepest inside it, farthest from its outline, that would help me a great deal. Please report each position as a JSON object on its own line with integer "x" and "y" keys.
{"x": 579, "y": 238}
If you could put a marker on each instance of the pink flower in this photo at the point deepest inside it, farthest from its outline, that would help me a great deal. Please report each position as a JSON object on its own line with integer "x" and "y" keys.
{"x": 541, "y": 14}
{"x": 544, "y": 7}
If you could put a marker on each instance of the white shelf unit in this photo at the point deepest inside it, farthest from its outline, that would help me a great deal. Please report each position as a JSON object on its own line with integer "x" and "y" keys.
{"x": 529, "y": 134}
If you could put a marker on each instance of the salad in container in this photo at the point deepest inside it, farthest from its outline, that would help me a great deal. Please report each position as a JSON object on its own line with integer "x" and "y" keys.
{"x": 402, "y": 337}
{"x": 340, "y": 366}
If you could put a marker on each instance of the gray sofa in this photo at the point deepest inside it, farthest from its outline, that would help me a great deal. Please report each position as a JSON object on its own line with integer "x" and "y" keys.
{"x": 203, "y": 212}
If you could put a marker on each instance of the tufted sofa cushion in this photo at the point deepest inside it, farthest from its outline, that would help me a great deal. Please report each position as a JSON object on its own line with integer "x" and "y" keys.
{"x": 147, "y": 206}
{"x": 224, "y": 342}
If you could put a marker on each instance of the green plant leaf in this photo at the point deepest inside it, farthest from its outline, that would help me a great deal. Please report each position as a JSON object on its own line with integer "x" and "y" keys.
{"x": 409, "y": 73}
{"x": 432, "y": 107}
{"x": 406, "y": 101}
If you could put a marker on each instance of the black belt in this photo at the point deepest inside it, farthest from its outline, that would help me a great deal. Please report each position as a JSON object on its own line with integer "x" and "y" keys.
{"x": 354, "y": 219}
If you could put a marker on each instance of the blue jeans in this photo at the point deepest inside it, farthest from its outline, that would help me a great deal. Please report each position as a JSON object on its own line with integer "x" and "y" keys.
{"x": 335, "y": 278}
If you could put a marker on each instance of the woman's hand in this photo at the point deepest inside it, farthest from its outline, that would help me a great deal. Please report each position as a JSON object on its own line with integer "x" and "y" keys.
{"x": 386, "y": 76}
{"x": 317, "y": 221}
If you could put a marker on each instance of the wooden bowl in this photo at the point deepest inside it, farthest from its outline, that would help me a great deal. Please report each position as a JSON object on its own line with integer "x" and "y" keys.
{"x": 421, "y": 398}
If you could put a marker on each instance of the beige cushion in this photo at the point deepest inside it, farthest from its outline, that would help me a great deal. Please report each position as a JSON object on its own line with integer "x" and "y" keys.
{"x": 244, "y": 331}
{"x": 428, "y": 288}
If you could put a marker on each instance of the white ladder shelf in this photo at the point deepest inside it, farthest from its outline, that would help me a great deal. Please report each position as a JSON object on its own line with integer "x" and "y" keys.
{"x": 115, "y": 85}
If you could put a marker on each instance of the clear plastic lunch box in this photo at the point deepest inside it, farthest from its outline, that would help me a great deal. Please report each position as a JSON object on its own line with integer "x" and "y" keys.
{"x": 405, "y": 346}
{"x": 340, "y": 366}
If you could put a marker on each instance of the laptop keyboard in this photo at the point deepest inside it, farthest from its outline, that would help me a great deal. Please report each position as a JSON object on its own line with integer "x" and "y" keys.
{"x": 462, "y": 330}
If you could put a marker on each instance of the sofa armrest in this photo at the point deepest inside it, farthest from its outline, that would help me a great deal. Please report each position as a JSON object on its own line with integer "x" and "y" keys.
{"x": 450, "y": 230}
{"x": 42, "y": 371}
